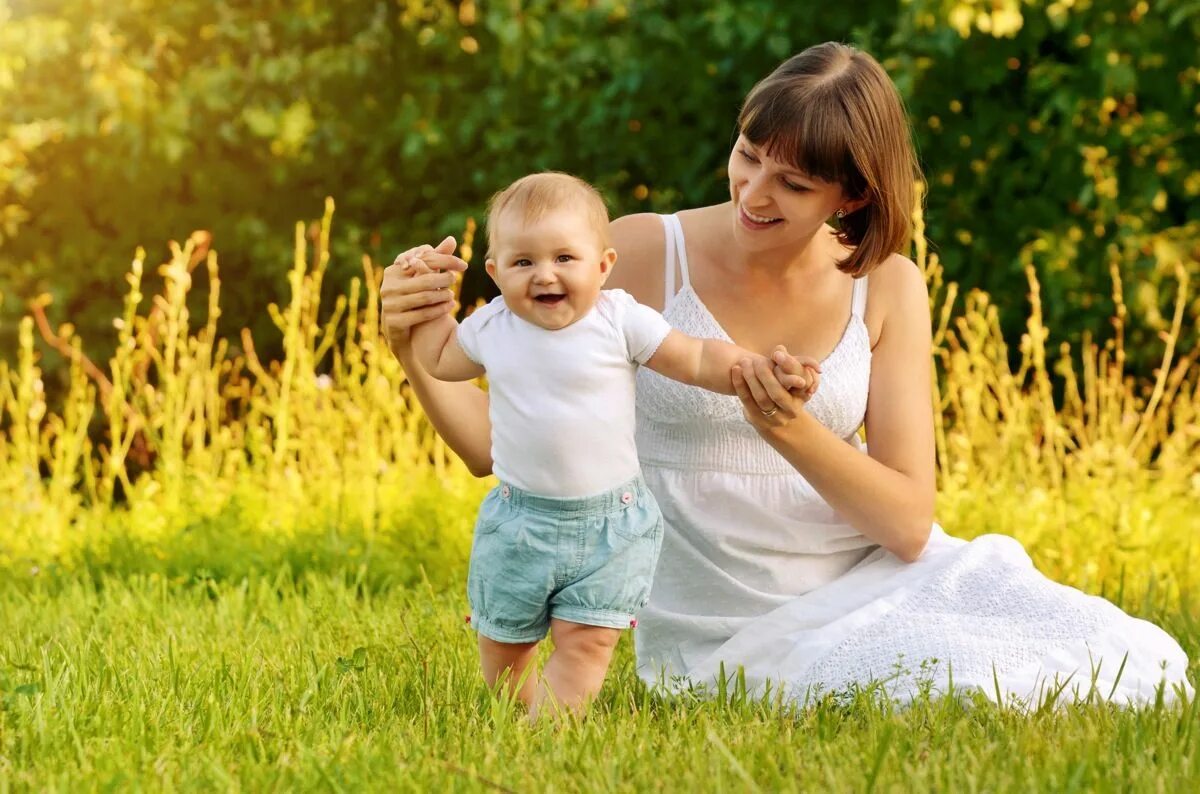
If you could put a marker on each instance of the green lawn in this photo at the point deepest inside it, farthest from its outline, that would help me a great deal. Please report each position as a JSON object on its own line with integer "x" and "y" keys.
{"x": 266, "y": 684}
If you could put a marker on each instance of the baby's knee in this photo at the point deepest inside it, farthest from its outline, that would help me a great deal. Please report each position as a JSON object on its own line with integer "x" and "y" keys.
{"x": 505, "y": 654}
{"x": 584, "y": 643}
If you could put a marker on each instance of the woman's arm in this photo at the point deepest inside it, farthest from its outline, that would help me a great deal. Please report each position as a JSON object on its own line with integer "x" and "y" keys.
{"x": 458, "y": 411}
{"x": 435, "y": 342}
{"x": 889, "y": 494}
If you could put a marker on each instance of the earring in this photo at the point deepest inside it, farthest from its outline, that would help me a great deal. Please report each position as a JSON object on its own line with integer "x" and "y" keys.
{"x": 840, "y": 214}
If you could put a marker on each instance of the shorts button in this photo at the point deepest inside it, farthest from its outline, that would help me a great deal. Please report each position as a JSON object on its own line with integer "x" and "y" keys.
{"x": 505, "y": 491}
{"x": 626, "y": 497}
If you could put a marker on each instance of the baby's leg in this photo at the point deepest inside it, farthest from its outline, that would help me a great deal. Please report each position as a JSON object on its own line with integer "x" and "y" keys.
{"x": 510, "y": 660}
{"x": 575, "y": 670}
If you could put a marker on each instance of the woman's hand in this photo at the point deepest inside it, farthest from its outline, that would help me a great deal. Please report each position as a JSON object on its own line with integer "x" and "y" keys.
{"x": 411, "y": 294}
{"x": 773, "y": 390}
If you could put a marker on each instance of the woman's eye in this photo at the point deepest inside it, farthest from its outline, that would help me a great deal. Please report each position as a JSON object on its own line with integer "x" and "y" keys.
{"x": 794, "y": 187}
{"x": 748, "y": 156}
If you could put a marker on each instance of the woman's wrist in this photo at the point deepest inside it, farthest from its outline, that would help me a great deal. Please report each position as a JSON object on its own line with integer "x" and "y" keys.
{"x": 791, "y": 435}
{"x": 400, "y": 343}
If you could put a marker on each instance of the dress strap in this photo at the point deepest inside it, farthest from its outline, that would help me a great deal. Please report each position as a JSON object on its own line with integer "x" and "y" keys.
{"x": 676, "y": 252}
{"x": 669, "y": 244}
{"x": 681, "y": 249}
{"x": 858, "y": 298}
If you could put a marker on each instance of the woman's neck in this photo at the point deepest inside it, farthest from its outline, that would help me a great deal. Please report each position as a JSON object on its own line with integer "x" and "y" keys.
{"x": 780, "y": 265}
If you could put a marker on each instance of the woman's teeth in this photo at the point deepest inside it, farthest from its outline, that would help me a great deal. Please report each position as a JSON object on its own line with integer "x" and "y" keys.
{"x": 758, "y": 218}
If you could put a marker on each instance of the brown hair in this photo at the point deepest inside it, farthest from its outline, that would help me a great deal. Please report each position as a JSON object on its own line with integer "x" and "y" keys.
{"x": 536, "y": 195}
{"x": 832, "y": 112}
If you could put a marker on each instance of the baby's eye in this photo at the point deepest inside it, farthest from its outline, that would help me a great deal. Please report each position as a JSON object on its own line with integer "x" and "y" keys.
{"x": 522, "y": 263}
{"x": 563, "y": 258}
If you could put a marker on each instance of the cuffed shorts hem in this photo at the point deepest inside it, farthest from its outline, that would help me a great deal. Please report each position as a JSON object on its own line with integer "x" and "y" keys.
{"x": 501, "y": 634}
{"x": 606, "y": 618}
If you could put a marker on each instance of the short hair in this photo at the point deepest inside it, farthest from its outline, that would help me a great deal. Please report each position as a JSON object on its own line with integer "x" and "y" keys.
{"x": 832, "y": 112}
{"x": 536, "y": 195}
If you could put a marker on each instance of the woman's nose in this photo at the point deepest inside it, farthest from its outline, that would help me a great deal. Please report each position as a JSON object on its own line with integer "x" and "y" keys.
{"x": 755, "y": 188}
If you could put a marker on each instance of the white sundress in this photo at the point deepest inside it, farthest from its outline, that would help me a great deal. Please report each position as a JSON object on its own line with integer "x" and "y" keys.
{"x": 759, "y": 572}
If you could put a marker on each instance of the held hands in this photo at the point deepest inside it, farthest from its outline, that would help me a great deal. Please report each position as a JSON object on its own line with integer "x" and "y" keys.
{"x": 415, "y": 264}
{"x": 417, "y": 287}
{"x": 774, "y": 390}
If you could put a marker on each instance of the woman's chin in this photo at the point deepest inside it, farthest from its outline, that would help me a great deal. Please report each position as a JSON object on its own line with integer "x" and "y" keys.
{"x": 758, "y": 239}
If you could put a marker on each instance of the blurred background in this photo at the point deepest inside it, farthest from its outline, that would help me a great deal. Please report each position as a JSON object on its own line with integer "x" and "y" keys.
{"x": 228, "y": 423}
{"x": 1061, "y": 134}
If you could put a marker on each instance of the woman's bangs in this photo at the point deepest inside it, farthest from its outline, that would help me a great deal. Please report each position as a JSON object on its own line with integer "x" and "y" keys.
{"x": 808, "y": 133}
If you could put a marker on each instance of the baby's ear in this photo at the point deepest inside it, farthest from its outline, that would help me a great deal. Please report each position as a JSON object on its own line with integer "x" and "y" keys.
{"x": 490, "y": 266}
{"x": 607, "y": 261}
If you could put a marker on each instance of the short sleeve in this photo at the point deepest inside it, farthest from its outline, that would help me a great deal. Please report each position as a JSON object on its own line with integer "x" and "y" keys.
{"x": 470, "y": 328}
{"x": 643, "y": 328}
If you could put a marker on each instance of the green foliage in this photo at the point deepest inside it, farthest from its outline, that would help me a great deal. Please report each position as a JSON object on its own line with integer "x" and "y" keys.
{"x": 133, "y": 123}
{"x": 1076, "y": 127}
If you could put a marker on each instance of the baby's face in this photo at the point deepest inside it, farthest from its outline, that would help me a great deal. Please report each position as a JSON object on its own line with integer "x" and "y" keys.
{"x": 550, "y": 271}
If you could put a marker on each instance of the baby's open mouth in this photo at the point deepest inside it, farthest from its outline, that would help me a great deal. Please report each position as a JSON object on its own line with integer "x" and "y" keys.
{"x": 551, "y": 300}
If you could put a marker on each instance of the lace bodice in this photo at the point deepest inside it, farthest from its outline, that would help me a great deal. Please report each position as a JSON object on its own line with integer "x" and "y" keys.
{"x": 682, "y": 426}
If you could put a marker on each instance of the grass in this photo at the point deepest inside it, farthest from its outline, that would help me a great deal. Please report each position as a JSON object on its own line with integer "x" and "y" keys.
{"x": 222, "y": 573}
{"x": 320, "y": 682}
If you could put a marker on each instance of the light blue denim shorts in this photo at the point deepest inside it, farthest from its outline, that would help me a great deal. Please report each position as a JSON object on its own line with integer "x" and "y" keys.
{"x": 588, "y": 560}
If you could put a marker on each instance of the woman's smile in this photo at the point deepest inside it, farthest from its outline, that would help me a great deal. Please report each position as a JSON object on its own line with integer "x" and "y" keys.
{"x": 754, "y": 221}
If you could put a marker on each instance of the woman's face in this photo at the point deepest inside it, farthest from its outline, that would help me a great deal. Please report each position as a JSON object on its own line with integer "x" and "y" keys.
{"x": 775, "y": 205}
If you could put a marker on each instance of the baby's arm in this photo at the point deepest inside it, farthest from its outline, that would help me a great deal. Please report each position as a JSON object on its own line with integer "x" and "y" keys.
{"x": 435, "y": 342}
{"x": 706, "y": 363}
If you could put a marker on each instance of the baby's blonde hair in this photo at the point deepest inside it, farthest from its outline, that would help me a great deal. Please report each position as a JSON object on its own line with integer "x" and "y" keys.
{"x": 536, "y": 195}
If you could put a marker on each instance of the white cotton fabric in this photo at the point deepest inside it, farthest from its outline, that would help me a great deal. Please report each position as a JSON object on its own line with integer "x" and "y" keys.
{"x": 757, "y": 571}
{"x": 562, "y": 401}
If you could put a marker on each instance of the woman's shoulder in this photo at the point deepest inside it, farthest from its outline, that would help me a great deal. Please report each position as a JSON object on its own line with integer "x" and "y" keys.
{"x": 896, "y": 294}
{"x": 640, "y": 242}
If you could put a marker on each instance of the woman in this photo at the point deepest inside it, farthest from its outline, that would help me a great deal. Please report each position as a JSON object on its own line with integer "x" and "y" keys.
{"x": 791, "y": 551}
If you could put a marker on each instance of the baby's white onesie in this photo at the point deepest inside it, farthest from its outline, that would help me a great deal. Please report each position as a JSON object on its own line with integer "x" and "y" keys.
{"x": 562, "y": 402}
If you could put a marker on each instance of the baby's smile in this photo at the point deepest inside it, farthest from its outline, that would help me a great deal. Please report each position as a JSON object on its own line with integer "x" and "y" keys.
{"x": 550, "y": 268}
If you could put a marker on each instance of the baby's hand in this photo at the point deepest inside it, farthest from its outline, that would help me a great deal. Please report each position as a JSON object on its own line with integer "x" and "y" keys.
{"x": 413, "y": 265}
{"x": 800, "y": 375}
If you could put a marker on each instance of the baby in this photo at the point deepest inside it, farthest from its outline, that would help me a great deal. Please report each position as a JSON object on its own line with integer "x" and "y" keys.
{"x": 568, "y": 542}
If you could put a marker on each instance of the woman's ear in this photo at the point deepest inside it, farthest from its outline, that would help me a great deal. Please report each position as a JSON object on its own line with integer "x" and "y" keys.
{"x": 854, "y": 205}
